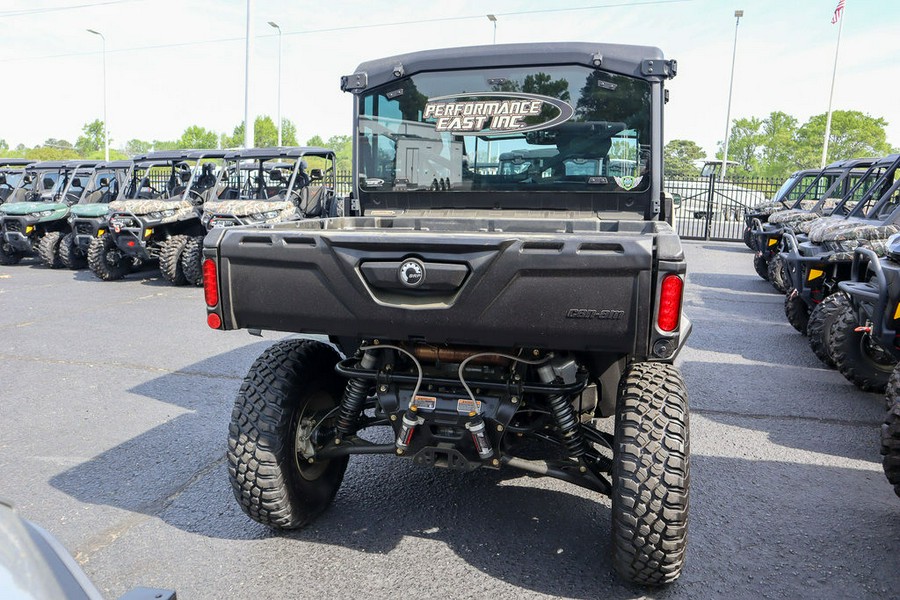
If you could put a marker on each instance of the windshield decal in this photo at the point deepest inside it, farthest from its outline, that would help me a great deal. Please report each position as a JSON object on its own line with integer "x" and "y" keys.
{"x": 628, "y": 182}
{"x": 496, "y": 113}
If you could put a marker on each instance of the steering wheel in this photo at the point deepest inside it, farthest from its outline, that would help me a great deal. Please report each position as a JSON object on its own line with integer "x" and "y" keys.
{"x": 195, "y": 197}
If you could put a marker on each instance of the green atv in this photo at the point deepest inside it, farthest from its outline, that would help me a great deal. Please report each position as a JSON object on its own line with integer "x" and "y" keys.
{"x": 11, "y": 172}
{"x": 88, "y": 220}
{"x": 37, "y": 209}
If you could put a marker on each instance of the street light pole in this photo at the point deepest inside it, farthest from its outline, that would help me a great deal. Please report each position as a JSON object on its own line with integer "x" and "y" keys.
{"x": 737, "y": 16}
{"x": 248, "y": 50}
{"x": 105, "y": 127}
{"x": 493, "y": 19}
{"x": 275, "y": 25}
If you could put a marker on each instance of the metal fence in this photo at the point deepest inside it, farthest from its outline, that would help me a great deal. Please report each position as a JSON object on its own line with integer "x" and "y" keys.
{"x": 711, "y": 209}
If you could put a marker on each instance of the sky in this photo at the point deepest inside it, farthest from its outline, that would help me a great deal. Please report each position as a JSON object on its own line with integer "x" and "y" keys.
{"x": 175, "y": 63}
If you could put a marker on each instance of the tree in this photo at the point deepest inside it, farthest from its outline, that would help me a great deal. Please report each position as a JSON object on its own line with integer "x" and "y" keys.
{"x": 198, "y": 137}
{"x": 265, "y": 134}
{"x": 316, "y": 140}
{"x": 779, "y": 147}
{"x": 679, "y": 157}
{"x": 57, "y": 143}
{"x": 3, "y": 145}
{"x": 343, "y": 149}
{"x": 744, "y": 146}
{"x": 853, "y": 135}
{"x": 135, "y": 146}
{"x": 92, "y": 138}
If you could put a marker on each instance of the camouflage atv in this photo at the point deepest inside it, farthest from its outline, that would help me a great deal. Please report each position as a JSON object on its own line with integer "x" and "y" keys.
{"x": 788, "y": 196}
{"x": 822, "y": 196}
{"x": 816, "y": 266}
{"x": 264, "y": 186}
{"x": 36, "y": 211}
{"x": 88, "y": 218}
{"x": 158, "y": 213}
{"x": 890, "y": 432}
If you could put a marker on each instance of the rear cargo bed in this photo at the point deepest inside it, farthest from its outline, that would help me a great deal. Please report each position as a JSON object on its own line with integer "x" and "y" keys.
{"x": 567, "y": 284}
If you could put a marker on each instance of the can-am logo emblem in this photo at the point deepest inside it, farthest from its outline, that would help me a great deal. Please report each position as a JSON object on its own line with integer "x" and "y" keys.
{"x": 412, "y": 273}
{"x": 496, "y": 113}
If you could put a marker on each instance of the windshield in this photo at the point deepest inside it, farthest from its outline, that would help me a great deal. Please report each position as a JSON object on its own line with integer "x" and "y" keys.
{"x": 263, "y": 179}
{"x": 549, "y": 128}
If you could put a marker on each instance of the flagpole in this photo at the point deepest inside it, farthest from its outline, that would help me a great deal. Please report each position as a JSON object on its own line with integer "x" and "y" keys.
{"x": 831, "y": 94}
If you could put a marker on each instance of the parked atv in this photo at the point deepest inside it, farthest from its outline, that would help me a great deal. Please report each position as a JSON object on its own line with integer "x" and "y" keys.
{"x": 828, "y": 192}
{"x": 37, "y": 210}
{"x": 488, "y": 323}
{"x": 817, "y": 265}
{"x": 11, "y": 172}
{"x": 264, "y": 186}
{"x": 88, "y": 220}
{"x": 890, "y": 432}
{"x": 789, "y": 196}
{"x": 159, "y": 212}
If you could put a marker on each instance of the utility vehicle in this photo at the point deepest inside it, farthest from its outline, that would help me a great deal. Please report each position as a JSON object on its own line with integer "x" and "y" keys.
{"x": 491, "y": 324}
{"x": 815, "y": 266}
{"x": 159, "y": 212}
{"x": 836, "y": 189}
{"x": 787, "y": 197}
{"x": 263, "y": 186}
{"x": 88, "y": 220}
{"x": 11, "y": 172}
{"x": 37, "y": 209}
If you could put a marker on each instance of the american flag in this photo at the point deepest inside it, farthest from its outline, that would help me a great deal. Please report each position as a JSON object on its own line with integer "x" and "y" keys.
{"x": 837, "y": 12}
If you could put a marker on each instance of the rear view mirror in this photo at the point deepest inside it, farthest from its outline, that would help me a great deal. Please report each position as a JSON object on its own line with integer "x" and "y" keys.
{"x": 104, "y": 181}
{"x": 315, "y": 174}
{"x": 76, "y": 182}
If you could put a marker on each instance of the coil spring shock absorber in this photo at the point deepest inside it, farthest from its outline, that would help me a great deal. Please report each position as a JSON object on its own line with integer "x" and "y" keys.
{"x": 564, "y": 416}
{"x": 354, "y": 398}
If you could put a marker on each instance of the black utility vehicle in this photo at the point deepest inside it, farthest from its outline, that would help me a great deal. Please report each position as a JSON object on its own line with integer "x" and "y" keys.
{"x": 159, "y": 212}
{"x": 832, "y": 189}
{"x": 492, "y": 322}
{"x": 788, "y": 196}
{"x": 89, "y": 219}
{"x": 11, "y": 172}
{"x": 263, "y": 186}
{"x": 816, "y": 265}
{"x": 37, "y": 209}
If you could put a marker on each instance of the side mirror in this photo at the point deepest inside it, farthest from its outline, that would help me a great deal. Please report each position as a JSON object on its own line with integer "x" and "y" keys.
{"x": 28, "y": 178}
{"x": 104, "y": 181}
{"x": 76, "y": 182}
{"x": 315, "y": 174}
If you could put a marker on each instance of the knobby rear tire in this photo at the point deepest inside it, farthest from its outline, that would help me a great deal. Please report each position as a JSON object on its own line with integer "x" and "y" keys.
{"x": 650, "y": 475}
{"x": 290, "y": 381}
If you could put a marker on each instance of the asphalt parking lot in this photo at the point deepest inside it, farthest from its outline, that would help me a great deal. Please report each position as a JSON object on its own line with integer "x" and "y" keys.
{"x": 113, "y": 417}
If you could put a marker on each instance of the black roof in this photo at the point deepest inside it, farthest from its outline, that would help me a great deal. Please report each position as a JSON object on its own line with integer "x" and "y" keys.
{"x": 188, "y": 154}
{"x": 617, "y": 58}
{"x": 115, "y": 164}
{"x": 279, "y": 152}
{"x": 16, "y": 162}
{"x": 49, "y": 164}
{"x": 75, "y": 164}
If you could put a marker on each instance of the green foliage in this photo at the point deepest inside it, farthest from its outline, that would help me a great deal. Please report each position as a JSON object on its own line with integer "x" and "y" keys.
{"x": 265, "y": 134}
{"x": 775, "y": 146}
{"x": 3, "y": 145}
{"x": 91, "y": 139}
{"x": 50, "y": 153}
{"x": 199, "y": 138}
{"x": 853, "y": 135}
{"x": 135, "y": 146}
{"x": 679, "y": 157}
{"x": 316, "y": 140}
{"x": 343, "y": 149}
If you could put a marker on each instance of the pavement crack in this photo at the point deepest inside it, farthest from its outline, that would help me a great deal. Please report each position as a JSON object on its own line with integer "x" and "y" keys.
{"x": 760, "y": 416}
{"x": 141, "y": 514}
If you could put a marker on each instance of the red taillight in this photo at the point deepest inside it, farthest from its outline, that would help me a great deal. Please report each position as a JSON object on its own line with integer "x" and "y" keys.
{"x": 670, "y": 303}
{"x": 213, "y": 320}
{"x": 210, "y": 282}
